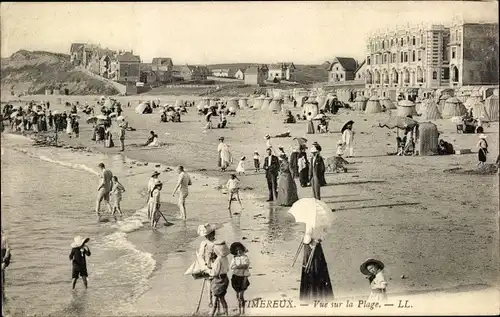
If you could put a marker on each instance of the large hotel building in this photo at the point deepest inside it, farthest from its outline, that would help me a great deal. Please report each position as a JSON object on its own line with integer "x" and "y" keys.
{"x": 435, "y": 56}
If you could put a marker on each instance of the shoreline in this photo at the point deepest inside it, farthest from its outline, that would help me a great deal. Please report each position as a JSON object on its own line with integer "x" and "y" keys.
{"x": 385, "y": 205}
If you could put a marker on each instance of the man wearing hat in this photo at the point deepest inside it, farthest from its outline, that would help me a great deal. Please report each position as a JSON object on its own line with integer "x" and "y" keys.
{"x": 79, "y": 252}
{"x": 316, "y": 172}
{"x": 271, "y": 166}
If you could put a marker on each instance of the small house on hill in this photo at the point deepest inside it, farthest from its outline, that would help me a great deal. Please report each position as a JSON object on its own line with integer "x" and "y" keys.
{"x": 342, "y": 69}
{"x": 281, "y": 71}
{"x": 224, "y": 72}
{"x": 162, "y": 64}
{"x": 189, "y": 73}
{"x": 240, "y": 74}
{"x": 255, "y": 75}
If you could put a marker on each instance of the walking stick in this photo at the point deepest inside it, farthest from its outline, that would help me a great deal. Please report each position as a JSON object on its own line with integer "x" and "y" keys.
{"x": 201, "y": 295}
{"x": 301, "y": 245}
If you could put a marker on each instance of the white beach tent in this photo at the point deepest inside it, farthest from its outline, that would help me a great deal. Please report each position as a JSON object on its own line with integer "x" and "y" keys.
{"x": 243, "y": 103}
{"x": 406, "y": 108}
{"x": 453, "y": 107}
{"x": 430, "y": 111}
{"x": 360, "y": 103}
{"x": 491, "y": 106}
{"x": 266, "y": 103}
{"x": 140, "y": 108}
{"x": 373, "y": 105}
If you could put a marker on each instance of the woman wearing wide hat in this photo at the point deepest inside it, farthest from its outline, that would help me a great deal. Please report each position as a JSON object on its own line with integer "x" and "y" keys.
{"x": 79, "y": 252}
{"x": 348, "y": 138}
{"x": 206, "y": 254}
{"x": 315, "y": 279}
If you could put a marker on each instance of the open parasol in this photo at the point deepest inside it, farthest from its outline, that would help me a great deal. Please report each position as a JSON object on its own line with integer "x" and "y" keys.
{"x": 55, "y": 112}
{"x": 301, "y": 140}
{"x": 398, "y": 122}
{"x": 91, "y": 119}
{"x": 350, "y": 122}
{"x": 101, "y": 117}
{"x": 113, "y": 114}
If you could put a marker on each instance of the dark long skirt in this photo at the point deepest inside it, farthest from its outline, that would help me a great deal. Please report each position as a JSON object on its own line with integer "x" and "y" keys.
{"x": 481, "y": 155}
{"x": 310, "y": 127}
{"x": 315, "y": 284}
{"x": 287, "y": 190}
{"x": 304, "y": 177}
{"x": 294, "y": 166}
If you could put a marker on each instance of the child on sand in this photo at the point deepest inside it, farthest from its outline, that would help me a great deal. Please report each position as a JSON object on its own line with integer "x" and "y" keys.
{"x": 154, "y": 203}
{"x": 240, "y": 169}
{"x": 373, "y": 270}
{"x": 79, "y": 252}
{"x": 240, "y": 267}
{"x": 233, "y": 188}
{"x": 219, "y": 281}
{"x": 256, "y": 161}
{"x": 116, "y": 192}
{"x": 340, "y": 148}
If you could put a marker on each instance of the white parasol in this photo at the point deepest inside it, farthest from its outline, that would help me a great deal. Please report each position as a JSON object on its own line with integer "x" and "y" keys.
{"x": 113, "y": 114}
{"x": 102, "y": 117}
{"x": 91, "y": 119}
{"x": 140, "y": 108}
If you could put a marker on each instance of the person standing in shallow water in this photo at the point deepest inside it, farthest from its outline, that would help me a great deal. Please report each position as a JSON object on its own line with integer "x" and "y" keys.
{"x": 183, "y": 183}
{"x": 104, "y": 189}
{"x": 79, "y": 252}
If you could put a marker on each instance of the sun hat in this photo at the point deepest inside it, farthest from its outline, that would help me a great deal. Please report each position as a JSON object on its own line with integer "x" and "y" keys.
{"x": 221, "y": 138}
{"x": 339, "y": 142}
{"x": 220, "y": 248}
{"x": 483, "y": 136}
{"x": 235, "y": 246}
{"x": 364, "y": 267}
{"x": 267, "y": 136}
{"x": 155, "y": 173}
{"x": 243, "y": 157}
{"x": 206, "y": 229}
{"x": 314, "y": 149}
{"x": 79, "y": 241}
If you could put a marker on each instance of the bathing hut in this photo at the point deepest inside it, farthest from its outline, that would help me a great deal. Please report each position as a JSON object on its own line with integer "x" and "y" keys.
{"x": 266, "y": 103}
{"x": 310, "y": 109}
{"x": 471, "y": 101}
{"x": 321, "y": 100}
{"x": 233, "y": 102}
{"x": 360, "y": 103}
{"x": 491, "y": 106}
{"x": 276, "y": 104}
{"x": 453, "y": 108}
{"x": 430, "y": 111}
{"x": 386, "y": 103}
{"x": 441, "y": 101}
{"x": 373, "y": 105}
{"x": 258, "y": 102}
{"x": 406, "y": 108}
{"x": 243, "y": 103}
{"x": 479, "y": 111}
{"x": 179, "y": 102}
{"x": 427, "y": 140}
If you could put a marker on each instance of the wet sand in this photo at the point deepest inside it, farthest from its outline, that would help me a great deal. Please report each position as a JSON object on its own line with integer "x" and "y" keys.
{"x": 438, "y": 229}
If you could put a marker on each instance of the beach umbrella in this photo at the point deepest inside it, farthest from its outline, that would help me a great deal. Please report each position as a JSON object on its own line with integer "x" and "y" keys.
{"x": 91, "y": 119}
{"x": 345, "y": 125}
{"x": 398, "y": 122}
{"x": 120, "y": 118}
{"x": 113, "y": 114}
{"x": 313, "y": 212}
{"x": 101, "y": 117}
{"x": 300, "y": 140}
{"x": 319, "y": 117}
{"x": 140, "y": 108}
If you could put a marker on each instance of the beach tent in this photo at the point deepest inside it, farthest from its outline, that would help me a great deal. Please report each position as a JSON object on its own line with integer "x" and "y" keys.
{"x": 479, "y": 111}
{"x": 430, "y": 111}
{"x": 321, "y": 100}
{"x": 310, "y": 109}
{"x": 140, "y": 108}
{"x": 386, "y": 103}
{"x": 373, "y": 105}
{"x": 360, "y": 103}
{"x": 243, "y": 103}
{"x": 427, "y": 139}
{"x": 441, "y": 101}
{"x": 471, "y": 101}
{"x": 276, "y": 104}
{"x": 453, "y": 108}
{"x": 233, "y": 102}
{"x": 406, "y": 108}
{"x": 258, "y": 102}
{"x": 491, "y": 105}
{"x": 108, "y": 103}
{"x": 266, "y": 103}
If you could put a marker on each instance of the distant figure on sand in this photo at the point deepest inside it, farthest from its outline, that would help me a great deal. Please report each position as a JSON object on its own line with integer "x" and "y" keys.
{"x": 154, "y": 203}
{"x": 316, "y": 172}
{"x": 225, "y": 158}
{"x": 303, "y": 166}
{"x": 152, "y": 140}
{"x": 79, "y": 252}
{"x": 310, "y": 124}
{"x": 116, "y": 192}
{"x": 315, "y": 281}
{"x": 183, "y": 183}
{"x": 233, "y": 188}
{"x": 104, "y": 189}
{"x": 287, "y": 189}
{"x": 256, "y": 161}
{"x": 271, "y": 166}
{"x": 373, "y": 270}
{"x": 240, "y": 169}
{"x": 123, "y": 128}
{"x": 483, "y": 150}
{"x": 348, "y": 138}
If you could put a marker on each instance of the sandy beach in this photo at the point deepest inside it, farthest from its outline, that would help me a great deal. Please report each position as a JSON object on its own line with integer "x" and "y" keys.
{"x": 436, "y": 228}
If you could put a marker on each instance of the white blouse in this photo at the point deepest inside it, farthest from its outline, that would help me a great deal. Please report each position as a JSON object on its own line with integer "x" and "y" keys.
{"x": 240, "y": 260}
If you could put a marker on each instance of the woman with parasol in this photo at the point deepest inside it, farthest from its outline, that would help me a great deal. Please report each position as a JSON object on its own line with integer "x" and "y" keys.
{"x": 315, "y": 279}
{"x": 348, "y": 137}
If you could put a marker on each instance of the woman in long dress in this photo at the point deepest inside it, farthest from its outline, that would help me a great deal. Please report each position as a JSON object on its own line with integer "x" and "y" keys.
{"x": 483, "y": 150}
{"x": 109, "y": 138}
{"x": 315, "y": 279}
{"x": 294, "y": 158}
{"x": 69, "y": 126}
{"x": 303, "y": 166}
{"x": 287, "y": 190}
{"x": 224, "y": 155}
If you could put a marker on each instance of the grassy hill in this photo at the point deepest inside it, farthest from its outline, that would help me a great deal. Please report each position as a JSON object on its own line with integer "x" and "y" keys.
{"x": 33, "y": 72}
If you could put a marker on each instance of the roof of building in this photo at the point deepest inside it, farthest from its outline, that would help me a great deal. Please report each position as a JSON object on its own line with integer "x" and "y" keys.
{"x": 348, "y": 63}
{"x": 282, "y": 66}
{"x": 360, "y": 65}
{"x": 127, "y": 57}
{"x": 162, "y": 61}
{"x": 146, "y": 67}
{"x": 76, "y": 46}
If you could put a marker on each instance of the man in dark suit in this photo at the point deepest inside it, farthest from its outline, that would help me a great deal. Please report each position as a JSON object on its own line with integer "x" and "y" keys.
{"x": 271, "y": 166}
{"x": 316, "y": 172}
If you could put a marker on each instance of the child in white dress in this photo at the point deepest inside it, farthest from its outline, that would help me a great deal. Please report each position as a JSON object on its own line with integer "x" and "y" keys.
{"x": 240, "y": 169}
{"x": 373, "y": 270}
{"x": 233, "y": 188}
{"x": 256, "y": 161}
{"x": 340, "y": 148}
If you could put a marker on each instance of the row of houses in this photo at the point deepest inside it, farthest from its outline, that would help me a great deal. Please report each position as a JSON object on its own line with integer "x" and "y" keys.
{"x": 279, "y": 71}
{"x": 423, "y": 57}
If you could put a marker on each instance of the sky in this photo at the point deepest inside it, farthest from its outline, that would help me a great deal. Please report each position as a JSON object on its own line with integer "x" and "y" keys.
{"x": 223, "y": 32}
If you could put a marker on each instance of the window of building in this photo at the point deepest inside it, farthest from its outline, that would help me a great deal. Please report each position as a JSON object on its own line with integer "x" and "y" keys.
{"x": 385, "y": 58}
{"x": 126, "y": 74}
{"x": 341, "y": 75}
{"x": 401, "y": 58}
{"x": 422, "y": 39}
{"x": 446, "y": 73}
{"x": 368, "y": 60}
{"x": 414, "y": 41}
{"x": 406, "y": 57}
{"x": 392, "y": 42}
{"x": 453, "y": 52}
{"x": 456, "y": 35}
{"x": 394, "y": 56}
{"x": 434, "y": 75}
{"x": 401, "y": 42}
{"x": 404, "y": 41}
{"x": 413, "y": 57}
{"x": 382, "y": 44}
{"x": 419, "y": 53}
